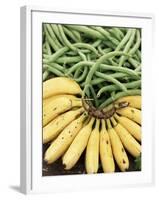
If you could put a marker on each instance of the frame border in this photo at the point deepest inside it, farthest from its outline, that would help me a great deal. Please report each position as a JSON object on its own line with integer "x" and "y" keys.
{"x": 26, "y": 83}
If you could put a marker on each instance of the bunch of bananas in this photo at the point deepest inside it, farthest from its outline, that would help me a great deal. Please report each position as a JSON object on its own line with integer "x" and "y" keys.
{"x": 71, "y": 129}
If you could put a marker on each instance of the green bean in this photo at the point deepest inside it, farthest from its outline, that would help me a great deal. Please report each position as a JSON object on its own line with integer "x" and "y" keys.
{"x": 115, "y": 34}
{"x": 101, "y": 80}
{"x": 86, "y": 46}
{"x": 53, "y": 36}
{"x": 50, "y": 40}
{"x": 77, "y": 35}
{"x": 119, "y": 32}
{"x": 76, "y": 74}
{"x": 96, "y": 43}
{"x": 113, "y": 95}
{"x": 119, "y": 69}
{"x": 124, "y": 40}
{"x": 94, "y": 96}
{"x": 138, "y": 52}
{"x": 100, "y": 61}
{"x": 137, "y": 44}
{"x": 107, "y": 50}
{"x": 112, "y": 62}
{"x": 119, "y": 95}
{"x": 70, "y": 34}
{"x": 88, "y": 31}
{"x": 134, "y": 62}
{"x": 106, "y": 35}
{"x": 100, "y": 50}
{"x": 109, "y": 44}
{"x": 57, "y": 33}
{"x": 64, "y": 38}
{"x": 130, "y": 85}
{"x": 78, "y": 65}
{"x": 55, "y": 71}
{"x": 48, "y": 48}
{"x": 45, "y": 50}
{"x": 82, "y": 55}
{"x": 56, "y": 55}
{"x": 88, "y": 57}
{"x": 57, "y": 66}
{"x": 66, "y": 59}
{"x": 135, "y": 56}
{"x": 82, "y": 77}
{"x": 112, "y": 80}
{"x": 127, "y": 47}
{"x": 45, "y": 75}
{"x": 138, "y": 69}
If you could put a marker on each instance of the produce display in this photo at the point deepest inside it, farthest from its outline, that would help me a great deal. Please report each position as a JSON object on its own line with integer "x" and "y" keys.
{"x": 91, "y": 99}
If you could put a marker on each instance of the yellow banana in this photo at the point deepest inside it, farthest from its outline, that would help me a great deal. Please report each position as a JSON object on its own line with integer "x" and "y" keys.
{"x": 78, "y": 145}
{"x": 133, "y": 128}
{"x": 58, "y": 106}
{"x": 130, "y": 144}
{"x": 132, "y": 113}
{"x": 92, "y": 151}
{"x": 69, "y": 96}
{"x": 118, "y": 149}
{"x": 52, "y": 130}
{"x": 134, "y": 101}
{"x": 63, "y": 141}
{"x": 106, "y": 154}
{"x": 60, "y": 85}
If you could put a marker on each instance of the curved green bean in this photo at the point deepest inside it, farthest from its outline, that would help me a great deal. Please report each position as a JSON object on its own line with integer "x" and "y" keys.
{"x": 45, "y": 75}
{"x": 86, "y": 46}
{"x": 127, "y": 47}
{"x": 124, "y": 40}
{"x": 90, "y": 32}
{"x": 55, "y": 71}
{"x": 50, "y": 40}
{"x": 131, "y": 85}
{"x": 56, "y": 55}
{"x": 57, "y": 33}
{"x": 64, "y": 38}
{"x": 67, "y": 59}
{"x": 100, "y": 61}
{"x": 53, "y": 36}
{"x": 70, "y": 34}
{"x": 119, "y": 95}
{"x": 112, "y": 80}
{"x": 107, "y": 35}
{"x": 82, "y": 77}
{"x": 137, "y": 44}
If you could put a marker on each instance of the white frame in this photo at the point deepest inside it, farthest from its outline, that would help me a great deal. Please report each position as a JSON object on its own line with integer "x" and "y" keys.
{"x": 31, "y": 109}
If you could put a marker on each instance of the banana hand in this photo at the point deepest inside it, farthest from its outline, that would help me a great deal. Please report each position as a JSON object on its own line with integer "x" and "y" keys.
{"x": 63, "y": 141}
{"x": 52, "y": 130}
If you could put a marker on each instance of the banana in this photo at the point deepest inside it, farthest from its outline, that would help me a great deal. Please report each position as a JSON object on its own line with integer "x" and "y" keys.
{"x": 92, "y": 151}
{"x": 132, "y": 113}
{"x": 133, "y": 128}
{"x": 69, "y": 96}
{"x": 63, "y": 141}
{"x": 58, "y": 106}
{"x": 118, "y": 149}
{"x": 60, "y": 85}
{"x": 130, "y": 144}
{"x": 52, "y": 130}
{"x": 77, "y": 147}
{"x": 134, "y": 101}
{"x": 106, "y": 155}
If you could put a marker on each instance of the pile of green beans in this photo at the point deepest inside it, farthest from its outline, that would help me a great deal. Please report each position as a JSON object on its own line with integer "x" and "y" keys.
{"x": 105, "y": 61}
